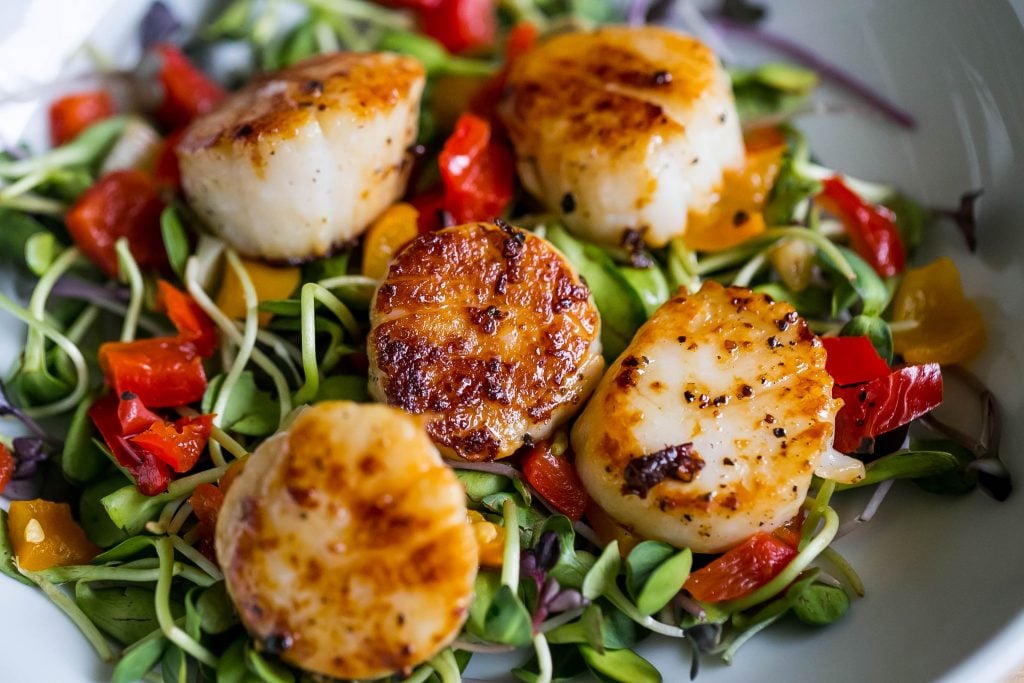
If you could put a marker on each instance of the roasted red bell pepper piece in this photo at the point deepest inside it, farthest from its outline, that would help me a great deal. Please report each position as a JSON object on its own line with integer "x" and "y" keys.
{"x": 554, "y": 477}
{"x": 151, "y": 476}
{"x": 206, "y": 502}
{"x": 189, "y": 319}
{"x": 853, "y": 360}
{"x": 872, "y": 229}
{"x": 188, "y": 92}
{"x": 460, "y": 25}
{"x": 885, "y": 403}
{"x": 7, "y": 466}
{"x": 519, "y": 41}
{"x": 166, "y": 171}
{"x": 178, "y": 444}
{"x": 477, "y": 172}
{"x": 133, "y": 415}
{"x": 430, "y": 206}
{"x": 741, "y": 570}
{"x": 120, "y": 204}
{"x": 162, "y": 372}
{"x": 72, "y": 114}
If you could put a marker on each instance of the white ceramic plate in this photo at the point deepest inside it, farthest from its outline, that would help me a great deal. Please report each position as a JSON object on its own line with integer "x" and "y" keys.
{"x": 945, "y": 576}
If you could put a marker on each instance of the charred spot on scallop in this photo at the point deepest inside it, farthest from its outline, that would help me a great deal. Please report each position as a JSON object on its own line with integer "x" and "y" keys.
{"x": 490, "y": 332}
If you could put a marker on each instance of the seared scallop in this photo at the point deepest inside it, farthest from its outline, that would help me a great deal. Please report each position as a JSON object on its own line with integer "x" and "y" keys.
{"x": 302, "y": 160}
{"x": 622, "y": 129}
{"x": 711, "y": 423}
{"x": 490, "y": 332}
{"x": 345, "y": 543}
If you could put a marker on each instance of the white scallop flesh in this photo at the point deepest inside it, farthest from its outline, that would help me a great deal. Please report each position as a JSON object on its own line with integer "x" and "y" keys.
{"x": 723, "y": 403}
{"x": 345, "y": 543}
{"x": 301, "y": 161}
{"x": 623, "y": 128}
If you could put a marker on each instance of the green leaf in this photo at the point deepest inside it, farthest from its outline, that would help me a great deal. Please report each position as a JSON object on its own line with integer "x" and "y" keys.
{"x": 821, "y": 605}
{"x": 125, "y": 613}
{"x": 622, "y": 310}
{"x": 432, "y": 54}
{"x": 601, "y": 626}
{"x": 174, "y": 665}
{"x": 507, "y": 620}
{"x": 664, "y": 582}
{"x": 875, "y": 329}
{"x": 81, "y": 461}
{"x": 176, "y": 241}
{"x": 139, "y": 659}
{"x": 649, "y": 284}
{"x": 812, "y": 302}
{"x": 643, "y": 560}
{"x": 334, "y": 266}
{"x": 125, "y": 550}
{"x": 290, "y": 308}
{"x": 603, "y": 574}
{"x": 343, "y": 388}
{"x": 791, "y": 188}
{"x": 566, "y": 665}
{"x": 40, "y": 250}
{"x": 771, "y": 90}
{"x": 869, "y": 287}
{"x": 231, "y": 667}
{"x": 216, "y": 610}
{"x": 905, "y": 465}
{"x": 268, "y": 670}
{"x": 299, "y": 44}
{"x": 129, "y": 510}
{"x": 622, "y": 666}
{"x": 96, "y": 521}
{"x": 7, "y": 552}
{"x": 249, "y": 410}
{"x": 485, "y": 587}
{"x": 956, "y": 481}
{"x": 911, "y": 219}
{"x": 479, "y": 485}
{"x": 16, "y": 229}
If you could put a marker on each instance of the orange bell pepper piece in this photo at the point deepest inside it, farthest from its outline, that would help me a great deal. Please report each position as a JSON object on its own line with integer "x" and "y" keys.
{"x": 737, "y": 216}
{"x": 44, "y": 535}
{"x": 392, "y": 230}
{"x": 490, "y": 539}
{"x": 941, "y": 325}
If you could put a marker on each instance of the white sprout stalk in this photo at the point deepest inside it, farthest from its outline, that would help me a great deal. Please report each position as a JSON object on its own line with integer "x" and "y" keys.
{"x": 751, "y": 268}
{"x": 197, "y": 557}
{"x": 128, "y": 271}
{"x": 228, "y": 328}
{"x": 245, "y": 349}
{"x": 510, "y": 556}
{"x": 178, "y": 520}
{"x": 82, "y": 324}
{"x": 545, "y": 667}
{"x": 162, "y": 596}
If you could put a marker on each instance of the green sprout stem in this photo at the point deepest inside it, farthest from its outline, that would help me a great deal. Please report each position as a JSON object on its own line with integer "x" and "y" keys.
{"x": 77, "y": 616}
{"x": 83, "y": 150}
{"x": 544, "y": 665}
{"x": 196, "y": 557}
{"x": 129, "y": 272}
{"x": 446, "y": 667}
{"x": 162, "y": 602}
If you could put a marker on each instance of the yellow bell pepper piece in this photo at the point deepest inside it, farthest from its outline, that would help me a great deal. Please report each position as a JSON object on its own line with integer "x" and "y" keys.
{"x": 940, "y": 324}
{"x": 737, "y": 216}
{"x": 392, "y": 230}
{"x": 269, "y": 282}
{"x": 490, "y": 539}
{"x": 44, "y": 535}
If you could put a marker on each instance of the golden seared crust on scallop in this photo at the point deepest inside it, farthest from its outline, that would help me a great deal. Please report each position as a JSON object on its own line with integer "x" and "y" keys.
{"x": 622, "y": 128}
{"x": 345, "y": 543}
{"x": 303, "y": 159}
{"x": 487, "y": 330}
{"x": 710, "y": 425}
